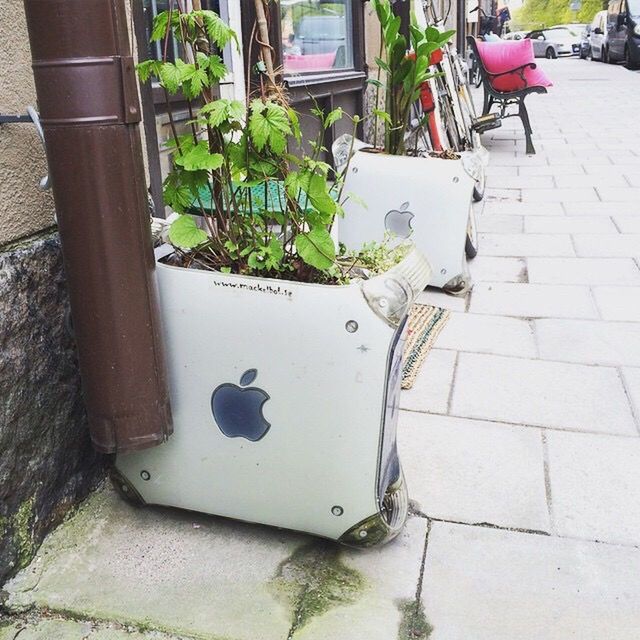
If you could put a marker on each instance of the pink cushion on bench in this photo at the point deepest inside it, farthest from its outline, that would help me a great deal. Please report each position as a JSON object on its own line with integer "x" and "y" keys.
{"x": 499, "y": 57}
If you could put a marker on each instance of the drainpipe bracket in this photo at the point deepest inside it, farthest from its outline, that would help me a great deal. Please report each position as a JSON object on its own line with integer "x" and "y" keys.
{"x": 93, "y": 91}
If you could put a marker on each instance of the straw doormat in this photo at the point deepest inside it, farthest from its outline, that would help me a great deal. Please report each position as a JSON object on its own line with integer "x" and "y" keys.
{"x": 425, "y": 323}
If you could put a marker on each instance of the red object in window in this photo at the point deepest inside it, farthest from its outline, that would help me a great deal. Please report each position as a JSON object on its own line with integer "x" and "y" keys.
{"x": 435, "y": 57}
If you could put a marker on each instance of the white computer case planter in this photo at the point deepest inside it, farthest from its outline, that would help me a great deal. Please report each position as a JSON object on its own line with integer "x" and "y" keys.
{"x": 425, "y": 198}
{"x": 285, "y": 402}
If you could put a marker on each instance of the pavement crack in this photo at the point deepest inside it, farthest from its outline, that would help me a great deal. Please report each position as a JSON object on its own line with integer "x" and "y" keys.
{"x": 547, "y": 479}
{"x": 414, "y": 624}
{"x": 489, "y": 525}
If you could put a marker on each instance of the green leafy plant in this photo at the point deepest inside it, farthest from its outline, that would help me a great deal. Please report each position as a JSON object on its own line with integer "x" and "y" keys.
{"x": 406, "y": 66}
{"x": 249, "y": 201}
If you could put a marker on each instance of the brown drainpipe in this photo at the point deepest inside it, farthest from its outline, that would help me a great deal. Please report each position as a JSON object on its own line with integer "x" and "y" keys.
{"x": 89, "y": 109}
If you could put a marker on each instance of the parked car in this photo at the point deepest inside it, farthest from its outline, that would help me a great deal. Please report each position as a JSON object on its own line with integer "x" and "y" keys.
{"x": 623, "y": 32}
{"x": 321, "y": 34}
{"x": 551, "y": 43}
{"x": 515, "y": 35}
{"x": 585, "y": 43}
{"x": 575, "y": 27}
{"x": 598, "y": 35}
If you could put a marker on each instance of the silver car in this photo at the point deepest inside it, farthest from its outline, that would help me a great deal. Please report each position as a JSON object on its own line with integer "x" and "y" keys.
{"x": 551, "y": 43}
{"x": 599, "y": 35}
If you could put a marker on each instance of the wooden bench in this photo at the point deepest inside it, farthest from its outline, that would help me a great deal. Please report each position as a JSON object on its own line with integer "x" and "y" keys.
{"x": 504, "y": 99}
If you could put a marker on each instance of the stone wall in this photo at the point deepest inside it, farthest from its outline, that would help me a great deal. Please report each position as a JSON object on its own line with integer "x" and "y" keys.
{"x": 46, "y": 461}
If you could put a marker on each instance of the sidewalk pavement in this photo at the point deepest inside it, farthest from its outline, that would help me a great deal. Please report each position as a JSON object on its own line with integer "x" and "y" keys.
{"x": 520, "y": 442}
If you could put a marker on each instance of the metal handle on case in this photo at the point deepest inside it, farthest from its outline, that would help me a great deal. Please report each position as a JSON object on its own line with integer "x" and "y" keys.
{"x": 45, "y": 182}
{"x": 34, "y": 117}
{"x": 391, "y": 294}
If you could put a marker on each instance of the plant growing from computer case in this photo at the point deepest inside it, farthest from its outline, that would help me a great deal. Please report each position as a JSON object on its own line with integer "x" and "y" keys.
{"x": 406, "y": 65}
{"x": 260, "y": 312}
{"x": 262, "y": 207}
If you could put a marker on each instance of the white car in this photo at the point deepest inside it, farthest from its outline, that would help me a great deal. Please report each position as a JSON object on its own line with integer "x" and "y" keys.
{"x": 515, "y": 35}
{"x": 598, "y": 35}
{"x": 551, "y": 43}
{"x": 575, "y": 28}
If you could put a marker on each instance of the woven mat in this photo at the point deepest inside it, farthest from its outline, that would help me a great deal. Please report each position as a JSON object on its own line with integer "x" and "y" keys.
{"x": 425, "y": 323}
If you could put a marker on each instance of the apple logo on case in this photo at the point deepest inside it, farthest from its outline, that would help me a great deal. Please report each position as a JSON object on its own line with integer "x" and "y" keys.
{"x": 398, "y": 221}
{"x": 237, "y": 410}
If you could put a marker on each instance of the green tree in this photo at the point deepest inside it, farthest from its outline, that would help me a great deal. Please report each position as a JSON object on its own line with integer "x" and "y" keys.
{"x": 536, "y": 14}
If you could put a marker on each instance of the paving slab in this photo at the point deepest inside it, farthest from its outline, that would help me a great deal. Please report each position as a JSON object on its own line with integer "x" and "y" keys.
{"x": 618, "y": 303}
{"x": 521, "y": 159}
{"x": 587, "y": 271}
{"x": 627, "y": 223}
{"x": 492, "y": 170}
{"x": 541, "y": 393}
{"x": 173, "y": 571}
{"x": 58, "y": 629}
{"x": 501, "y": 223}
{"x": 570, "y": 224}
{"x": 533, "y": 300}
{"x": 497, "y": 269}
{"x": 631, "y": 377}
{"x": 474, "y": 471}
{"x": 486, "y": 584}
{"x": 607, "y": 246}
{"x": 600, "y": 208}
{"x": 628, "y": 169}
{"x": 586, "y": 180}
{"x": 494, "y": 194}
{"x": 488, "y": 334}
{"x": 583, "y": 194}
{"x": 589, "y": 342}
{"x": 523, "y": 208}
{"x": 520, "y": 182}
{"x": 610, "y": 194}
{"x": 548, "y": 170}
{"x": 525, "y": 244}
{"x": 595, "y": 486}
{"x": 432, "y": 385}
{"x": 439, "y": 298}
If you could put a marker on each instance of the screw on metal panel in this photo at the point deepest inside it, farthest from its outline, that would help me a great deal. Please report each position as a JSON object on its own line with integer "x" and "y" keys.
{"x": 355, "y": 169}
{"x": 362, "y": 533}
{"x": 443, "y": 271}
{"x": 145, "y": 475}
{"x": 382, "y": 302}
{"x": 456, "y": 179}
{"x": 351, "y": 326}
{"x": 124, "y": 488}
{"x": 337, "y": 510}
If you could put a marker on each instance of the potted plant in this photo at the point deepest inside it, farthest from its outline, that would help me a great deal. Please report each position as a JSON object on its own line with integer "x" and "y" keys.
{"x": 284, "y": 351}
{"x": 408, "y": 191}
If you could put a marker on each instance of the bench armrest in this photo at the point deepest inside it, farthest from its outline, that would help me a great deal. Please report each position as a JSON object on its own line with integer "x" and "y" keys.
{"x": 519, "y": 70}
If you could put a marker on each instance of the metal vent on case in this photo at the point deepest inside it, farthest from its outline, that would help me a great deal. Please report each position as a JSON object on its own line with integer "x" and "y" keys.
{"x": 415, "y": 269}
{"x": 390, "y": 294}
{"x": 384, "y": 525}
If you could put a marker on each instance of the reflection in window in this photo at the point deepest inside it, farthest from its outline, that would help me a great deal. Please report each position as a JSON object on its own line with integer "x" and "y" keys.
{"x": 151, "y": 8}
{"x": 316, "y": 35}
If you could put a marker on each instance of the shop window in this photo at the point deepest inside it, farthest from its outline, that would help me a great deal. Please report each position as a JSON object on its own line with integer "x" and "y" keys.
{"x": 316, "y": 35}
